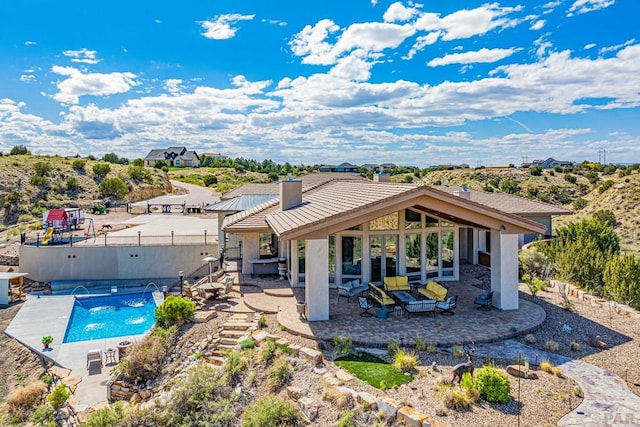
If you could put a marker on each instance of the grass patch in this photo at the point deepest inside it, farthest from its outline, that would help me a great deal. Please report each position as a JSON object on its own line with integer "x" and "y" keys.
{"x": 373, "y": 370}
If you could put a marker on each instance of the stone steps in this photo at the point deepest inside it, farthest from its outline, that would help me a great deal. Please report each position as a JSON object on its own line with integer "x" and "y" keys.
{"x": 237, "y": 326}
{"x": 229, "y": 341}
{"x": 233, "y": 333}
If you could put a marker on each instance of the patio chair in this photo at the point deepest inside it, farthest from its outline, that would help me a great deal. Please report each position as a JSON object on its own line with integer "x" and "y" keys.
{"x": 366, "y": 306}
{"x": 447, "y": 305}
{"x": 94, "y": 356}
{"x": 484, "y": 301}
{"x": 226, "y": 290}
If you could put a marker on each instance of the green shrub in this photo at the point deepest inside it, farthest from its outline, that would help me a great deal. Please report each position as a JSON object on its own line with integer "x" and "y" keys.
{"x": 571, "y": 179}
{"x": 209, "y": 180}
{"x": 39, "y": 181}
{"x": 269, "y": 350}
{"x": 78, "y": 164}
{"x": 161, "y": 164}
{"x": 139, "y": 173}
{"x": 457, "y": 351}
{"x": 18, "y": 150}
{"x": 47, "y": 379}
{"x": 535, "y": 285}
{"x": 262, "y": 321}
{"x": 278, "y": 374}
{"x": 203, "y": 398}
{"x": 138, "y": 162}
{"x": 270, "y": 411}
{"x": 621, "y": 279}
{"x": 247, "y": 344}
{"x": 456, "y": 399}
{"x": 106, "y": 417}
{"x": 579, "y": 203}
{"x": 113, "y": 187}
{"x": 492, "y": 384}
{"x": 42, "y": 168}
{"x": 101, "y": 169}
{"x": 42, "y": 415}
{"x": 233, "y": 365}
{"x": 342, "y": 345}
{"x": 72, "y": 184}
{"x": 175, "y": 310}
{"x": 347, "y": 418}
{"x": 535, "y": 170}
{"x": 58, "y": 396}
{"x": 605, "y": 186}
{"x": 551, "y": 346}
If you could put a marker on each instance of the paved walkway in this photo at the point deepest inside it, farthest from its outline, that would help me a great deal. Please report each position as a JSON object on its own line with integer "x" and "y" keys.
{"x": 607, "y": 399}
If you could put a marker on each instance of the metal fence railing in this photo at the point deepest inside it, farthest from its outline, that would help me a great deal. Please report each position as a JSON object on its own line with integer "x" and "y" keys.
{"x": 106, "y": 239}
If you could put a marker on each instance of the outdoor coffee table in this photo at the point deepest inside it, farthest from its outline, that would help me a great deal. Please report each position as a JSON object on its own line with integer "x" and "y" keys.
{"x": 403, "y": 297}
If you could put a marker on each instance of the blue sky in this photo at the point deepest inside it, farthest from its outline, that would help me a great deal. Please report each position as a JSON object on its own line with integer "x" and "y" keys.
{"x": 363, "y": 81}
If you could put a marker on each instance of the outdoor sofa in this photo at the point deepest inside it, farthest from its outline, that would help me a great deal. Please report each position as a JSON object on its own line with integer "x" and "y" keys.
{"x": 351, "y": 288}
{"x": 434, "y": 291}
{"x": 396, "y": 284}
{"x": 380, "y": 296}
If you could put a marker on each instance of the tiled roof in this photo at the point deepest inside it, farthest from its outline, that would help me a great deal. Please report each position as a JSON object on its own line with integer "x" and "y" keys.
{"x": 508, "y": 202}
{"x": 309, "y": 180}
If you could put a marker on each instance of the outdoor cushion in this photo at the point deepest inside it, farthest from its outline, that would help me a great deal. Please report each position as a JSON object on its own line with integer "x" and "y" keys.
{"x": 434, "y": 291}
{"x": 396, "y": 283}
{"x": 351, "y": 288}
{"x": 420, "y": 306}
{"x": 379, "y": 295}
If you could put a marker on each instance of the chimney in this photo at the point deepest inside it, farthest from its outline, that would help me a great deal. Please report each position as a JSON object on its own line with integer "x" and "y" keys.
{"x": 290, "y": 193}
{"x": 464, "y": 192}
{"x": 380, "y": 176}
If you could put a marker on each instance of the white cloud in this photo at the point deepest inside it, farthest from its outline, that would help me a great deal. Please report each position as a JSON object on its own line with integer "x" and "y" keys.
{"x": 275, "y": 22}
{"x": 616, "y": 47}
{"x": 398, "y": 12}
{"x": 422, "y": 42}
{"x": 483, "y": 55}
{"x": 584, "y": 6}
{"x": 222, "y": 26}
{"x": 29, "y": 43}
{"x": 78, "y": 84}
{"x": 468, "y": 23}
{"x": 83, "y": 55}
{"x": 589, "y": 46}
{"x": 173, "y": 86}
{"x": 310, "y": 43}
{"x": 157, "y": 21}
{"x": 29, "y": 78}
{"x": 538, "y": 25}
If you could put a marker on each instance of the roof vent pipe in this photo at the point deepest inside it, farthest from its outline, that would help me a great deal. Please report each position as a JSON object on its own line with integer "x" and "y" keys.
{"x": 464, "y": 192}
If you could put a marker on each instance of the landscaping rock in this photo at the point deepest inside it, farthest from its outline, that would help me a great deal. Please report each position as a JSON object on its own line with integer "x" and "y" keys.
{"x": 347, "y": 391}
{"x": 294, "y": 393}
{"x": 519, "y": 371}
{"x": 344, "y": 376}
{"x": 389, "y": 406}
{"x": 204, "y": 316}
{"x": 596, "y": 342}
{"x": 370, "y": 399}
{"x": 309, "y": 408}
{"x": 330, "y": 379}
{"x": 314, "y": 355}
{"x": 295, "y": 348}
{"x": 259, "y": 336}
{"x": 410, "y": 417}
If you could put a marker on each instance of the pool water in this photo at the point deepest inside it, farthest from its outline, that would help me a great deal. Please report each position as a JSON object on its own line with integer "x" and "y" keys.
{"x": 110, "y": 316}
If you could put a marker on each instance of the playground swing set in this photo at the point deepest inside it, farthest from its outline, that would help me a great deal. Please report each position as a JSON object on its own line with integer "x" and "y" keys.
{"x": 57, "y": 222}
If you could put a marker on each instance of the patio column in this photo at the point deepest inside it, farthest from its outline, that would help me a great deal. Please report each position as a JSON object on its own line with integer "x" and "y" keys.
{"x": 250, "y": 250}
{"x": 504, "y": 270}
{"x": 293, "y": 263}
{"x": 317, "y": 279}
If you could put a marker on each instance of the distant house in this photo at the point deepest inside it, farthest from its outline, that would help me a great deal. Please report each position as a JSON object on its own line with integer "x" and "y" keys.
{"x": 551, "y": 163}
{"x": 342, "y": 167}
{"x": 174, "y": 156}
{"x": 388, "y": 166}
{"x": 215, "y": 156}
{"x": 370, "y": 167}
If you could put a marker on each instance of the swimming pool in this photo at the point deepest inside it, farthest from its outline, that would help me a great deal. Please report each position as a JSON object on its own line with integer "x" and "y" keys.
{"x": 110, "y": 316}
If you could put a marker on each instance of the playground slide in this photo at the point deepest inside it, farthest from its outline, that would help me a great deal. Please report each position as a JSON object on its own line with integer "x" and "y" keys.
{"x": 47, "y": 236}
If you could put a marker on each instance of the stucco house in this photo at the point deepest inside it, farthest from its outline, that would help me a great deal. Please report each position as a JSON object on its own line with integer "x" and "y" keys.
{"x": 346, "y": 229}
{"x": 174, "y": 156}
{"x": 342, "y": 167}
{"x": 551, "y": 163}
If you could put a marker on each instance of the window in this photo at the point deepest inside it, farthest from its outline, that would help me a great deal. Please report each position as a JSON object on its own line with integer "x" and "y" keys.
{"x": 447, "y": 249}
{"x": 351, "y": 255}
{"x": 413, "y": 259}
{"x": 387, "y": 222}
{"x": 412, "y": 220}
{"x": 301, "y": 256}
{"x": 431, "y": 264}
{"x": 432, "y": 222}
{"x": 268, "y": 245}
{"x": 356, "y": 227}
{"x": 332, "y": 255}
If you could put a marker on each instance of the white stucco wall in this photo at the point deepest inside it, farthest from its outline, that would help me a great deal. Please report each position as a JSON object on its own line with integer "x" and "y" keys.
{"x": 250, "y": 250}
{"x": 317, "y": 279}
{"x": 79, "y": 262}
{"x": 504, "y": 270}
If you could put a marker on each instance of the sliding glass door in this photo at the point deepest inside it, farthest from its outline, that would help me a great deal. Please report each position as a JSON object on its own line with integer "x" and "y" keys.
{"x": 383, "y": 251}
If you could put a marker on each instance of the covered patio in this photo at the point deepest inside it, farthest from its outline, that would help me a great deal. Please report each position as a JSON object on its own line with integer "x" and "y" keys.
{"x": 467, "y": 325}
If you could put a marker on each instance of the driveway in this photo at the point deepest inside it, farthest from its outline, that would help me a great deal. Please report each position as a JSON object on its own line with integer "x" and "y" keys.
{"x": 194, "y": 195}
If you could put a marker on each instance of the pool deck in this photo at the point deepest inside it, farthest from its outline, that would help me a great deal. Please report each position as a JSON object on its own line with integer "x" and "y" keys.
{"x": 49, "y": 315}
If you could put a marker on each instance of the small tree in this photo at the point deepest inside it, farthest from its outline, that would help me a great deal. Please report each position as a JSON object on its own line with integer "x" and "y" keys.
{"x": 138, "y": 162}
{"x": 160, "y": 164}
{"x": 42, "y": 168}
{"x": 78, "y": 164}
{"x": 535, "y": 170}
{"x": 18, "y": 150}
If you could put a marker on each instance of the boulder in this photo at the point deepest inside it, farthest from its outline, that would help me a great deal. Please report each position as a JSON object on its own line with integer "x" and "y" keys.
{"x": 408, "y": 416}
{"x": 519, "y": 371}
{"x": 389, "y": 406}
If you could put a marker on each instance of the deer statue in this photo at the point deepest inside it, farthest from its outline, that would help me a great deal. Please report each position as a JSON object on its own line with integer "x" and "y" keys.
{"x": 461, "y": 368}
